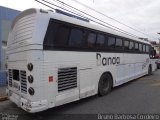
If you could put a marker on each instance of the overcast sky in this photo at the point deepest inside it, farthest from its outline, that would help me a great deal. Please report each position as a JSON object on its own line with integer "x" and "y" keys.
{"x": 143, "y": 15}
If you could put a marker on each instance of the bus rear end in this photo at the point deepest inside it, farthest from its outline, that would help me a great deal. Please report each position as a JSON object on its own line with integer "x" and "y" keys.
{"x": 25, "y": 62}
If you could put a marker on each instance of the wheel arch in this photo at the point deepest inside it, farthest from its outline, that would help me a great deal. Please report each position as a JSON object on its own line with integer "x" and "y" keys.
{"x": 108, "y": 72}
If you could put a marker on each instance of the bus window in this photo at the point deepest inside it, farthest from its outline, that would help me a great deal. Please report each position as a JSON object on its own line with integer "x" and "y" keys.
{"x": 126, "y": 45}
{"x": 136, "y": 46}
{"x": 144, "y": 48}
{"x": 147, "y": 48}
{"x": 50, "y": 35}
{"x": 76, "y": 38}
{"x": 91, "y": 40}
{"x": 131, "y": 45}
{"x": 140, "y": 47}
{"x": 106, "y": 41}
{"x": 152, "y": 52}
{"x": 100, "y": 40}
{"x": 119, "y": 43}
{"x": 111, "y": 42}
{"x": 62, "y": 36}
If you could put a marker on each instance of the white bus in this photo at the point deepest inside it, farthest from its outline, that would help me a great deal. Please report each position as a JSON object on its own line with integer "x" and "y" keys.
{"x": 54, "y": 59}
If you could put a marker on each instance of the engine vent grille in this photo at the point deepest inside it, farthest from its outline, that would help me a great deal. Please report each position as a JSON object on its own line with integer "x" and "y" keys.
{"x": 67, "y": 78}
{"x": 23, "y": 82}
{"x": 10, "y": 77}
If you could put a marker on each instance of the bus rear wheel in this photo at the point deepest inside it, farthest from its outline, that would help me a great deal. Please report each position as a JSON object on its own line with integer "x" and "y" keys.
{"x": 105, "y": 84}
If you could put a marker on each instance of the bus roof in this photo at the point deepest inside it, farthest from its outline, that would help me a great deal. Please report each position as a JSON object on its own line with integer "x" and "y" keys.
{"x": 73, "y": 20}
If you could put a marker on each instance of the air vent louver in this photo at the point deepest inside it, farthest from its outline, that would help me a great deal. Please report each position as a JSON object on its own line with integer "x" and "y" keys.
{"x": 10, "y": 77}
{"x": 67, "y": 78}
{"x": 23, "y": 82}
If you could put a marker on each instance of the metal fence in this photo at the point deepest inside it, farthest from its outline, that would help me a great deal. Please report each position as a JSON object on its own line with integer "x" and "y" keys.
{"x": 3, "y": 78}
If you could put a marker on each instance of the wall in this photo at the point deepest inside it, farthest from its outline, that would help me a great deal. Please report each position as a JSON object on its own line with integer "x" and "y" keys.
{"x": 5, "y": 26}
{"x": 6, "y": 17}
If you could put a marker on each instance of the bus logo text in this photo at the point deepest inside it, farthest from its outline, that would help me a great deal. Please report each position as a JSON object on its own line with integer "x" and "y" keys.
{"x": 107, "y": 60}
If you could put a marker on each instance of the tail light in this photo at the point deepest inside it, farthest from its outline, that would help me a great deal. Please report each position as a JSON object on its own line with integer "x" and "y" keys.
{"x": 30, "y": 79}
{"x": 31, "y": 91}
{"x": 30, "y": 66}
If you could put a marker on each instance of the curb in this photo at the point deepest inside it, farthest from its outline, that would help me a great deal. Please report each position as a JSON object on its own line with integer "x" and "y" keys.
{"x": 4, "y": 98}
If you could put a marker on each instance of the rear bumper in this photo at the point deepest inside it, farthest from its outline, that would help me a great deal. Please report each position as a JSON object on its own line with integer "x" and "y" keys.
{"x": 27, "y": 105}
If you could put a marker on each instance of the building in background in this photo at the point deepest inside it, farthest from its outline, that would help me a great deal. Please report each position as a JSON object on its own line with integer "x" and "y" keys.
{"x": 6, "y": 17}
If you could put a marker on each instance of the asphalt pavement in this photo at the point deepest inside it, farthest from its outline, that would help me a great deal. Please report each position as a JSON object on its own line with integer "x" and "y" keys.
{"x": 141, "y": 96}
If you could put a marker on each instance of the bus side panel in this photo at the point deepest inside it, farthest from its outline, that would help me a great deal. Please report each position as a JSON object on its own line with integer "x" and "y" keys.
{"x": 141, "y": 65}
{"x": 56, "y": 63}
{"x": 120, "y": 68}
{"x": 134, "y": 66}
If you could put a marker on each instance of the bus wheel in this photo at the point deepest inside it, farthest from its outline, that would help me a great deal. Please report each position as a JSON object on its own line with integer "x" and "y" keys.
{"x": 105, "y": 84}
{"x": 150, "y": 70}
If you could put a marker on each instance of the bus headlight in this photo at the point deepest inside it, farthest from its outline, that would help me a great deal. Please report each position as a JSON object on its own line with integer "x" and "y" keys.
{"x": 30, "y": 66}
{"x": 30, "y": 79}
{"x": 31, "y": 91}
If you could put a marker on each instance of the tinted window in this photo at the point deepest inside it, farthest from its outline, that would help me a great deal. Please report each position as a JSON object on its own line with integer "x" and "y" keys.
{"x": 106, "y": 41}
{"x": 111, "y": 42}
{"x": 144, "y": 48}
{"x": 62, "y": 36}
{"x": 76, "y": 38}
{"x": 140, "y": 47}
{"x": 91, "y": 39}
{"x": 131, "y": 45}
{"x": 119, "y": 43}
{"x": 50, "y": 35}
{"x": 100, "y": 40}
{"x": 147, "y": 48}
{"x": 136, "y": 47}
{"x": 126, "y": 44}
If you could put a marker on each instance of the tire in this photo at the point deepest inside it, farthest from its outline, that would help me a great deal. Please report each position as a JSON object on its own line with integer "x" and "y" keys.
{"x": 150, "y": 70}
{"x": 105, "y": 84}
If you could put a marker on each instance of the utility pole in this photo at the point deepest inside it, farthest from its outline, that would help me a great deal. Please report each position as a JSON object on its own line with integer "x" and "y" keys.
{"x": 159, "y": 44}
